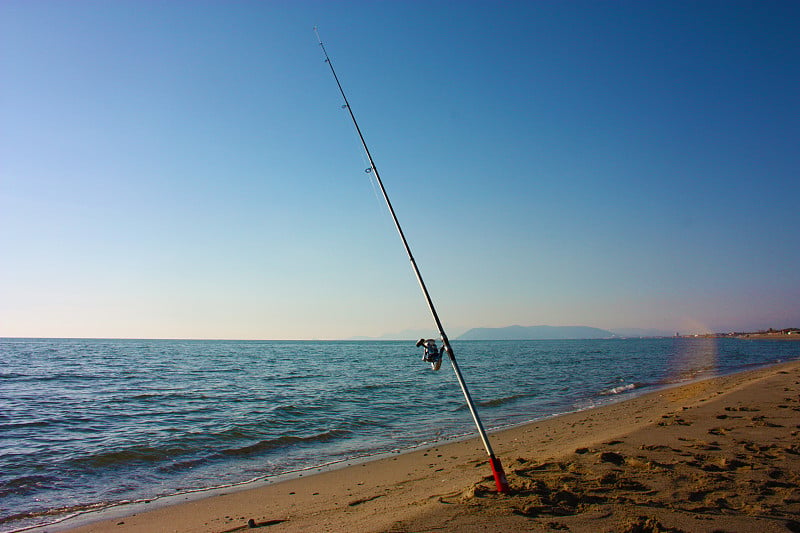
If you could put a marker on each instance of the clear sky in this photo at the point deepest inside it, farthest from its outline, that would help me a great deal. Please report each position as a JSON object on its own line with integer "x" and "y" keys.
{"x": 185, "y": 170}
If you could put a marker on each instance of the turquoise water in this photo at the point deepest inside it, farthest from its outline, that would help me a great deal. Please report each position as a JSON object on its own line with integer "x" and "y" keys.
{"x": 85, "y": 423}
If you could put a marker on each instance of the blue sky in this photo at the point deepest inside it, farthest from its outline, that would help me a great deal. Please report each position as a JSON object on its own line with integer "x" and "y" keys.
{"x": 185, "y": 170}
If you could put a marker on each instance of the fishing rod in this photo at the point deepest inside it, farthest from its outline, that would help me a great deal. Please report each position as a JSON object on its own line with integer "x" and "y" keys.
{"x": 497, "y": 467}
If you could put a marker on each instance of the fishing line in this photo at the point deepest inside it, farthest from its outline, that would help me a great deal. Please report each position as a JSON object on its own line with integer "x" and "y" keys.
{"x": 366, "y": 165}
{"x": 381, "y": 206}
{"x": 368, "y": 171}
{"x": 494, "y": 462}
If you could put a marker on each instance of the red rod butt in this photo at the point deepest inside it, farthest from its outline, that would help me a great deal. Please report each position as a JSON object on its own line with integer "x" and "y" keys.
{"x": 499, "y": 475}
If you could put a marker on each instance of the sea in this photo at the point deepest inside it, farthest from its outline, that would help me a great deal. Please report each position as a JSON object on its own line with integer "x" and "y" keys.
{"x": 90, "y": 423}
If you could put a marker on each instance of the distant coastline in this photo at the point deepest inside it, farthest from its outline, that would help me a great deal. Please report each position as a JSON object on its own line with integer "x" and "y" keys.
{"x": 582, "y": 333}
{"x": 787, "y": 334}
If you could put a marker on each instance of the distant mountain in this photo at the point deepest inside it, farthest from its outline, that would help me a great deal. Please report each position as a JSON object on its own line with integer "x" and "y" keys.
{"x": 519, "y": 333}
{"x": 535, "y": 333}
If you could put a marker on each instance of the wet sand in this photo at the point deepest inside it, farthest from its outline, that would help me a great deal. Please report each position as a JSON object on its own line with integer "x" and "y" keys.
{"x": 711, "y": 456}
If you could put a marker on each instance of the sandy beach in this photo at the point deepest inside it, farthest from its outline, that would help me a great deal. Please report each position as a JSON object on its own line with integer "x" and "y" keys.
{"x": 712, "y": 456}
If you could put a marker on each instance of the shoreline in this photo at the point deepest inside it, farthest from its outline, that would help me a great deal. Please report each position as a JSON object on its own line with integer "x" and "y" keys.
{"x": 429, "y": 482}
{"x": 100, "y": 512}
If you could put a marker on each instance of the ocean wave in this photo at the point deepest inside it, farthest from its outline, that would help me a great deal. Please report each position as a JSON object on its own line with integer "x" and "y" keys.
{"x": 249, "y": 432}
{"x": 165, "y": 395}
{"x": 290, "y": 410}
{"x": 358, "y": 391}
{"x": 297, "y": 375}
{"x": 25, "y": 485}
{"x": 496, "y": 402}
{"x": 26, "y": 424}
{"x": 620, "y": 389}
{"x": 178, "y": 466}
{"x": 360, "y": 421}
{"x": 282, "y": 441}
{"x": 135, "y": 454}
{"x": 58, "y": 511}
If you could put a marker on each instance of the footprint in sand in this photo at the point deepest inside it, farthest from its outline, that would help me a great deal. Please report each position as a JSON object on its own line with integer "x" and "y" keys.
{"x": 708, "y": 446}
{"x": 742, "y": 409}
{"x": 672, "y": 420}
{"x": 364, "y": 500}
{"x": 611, "y": 457}
{"x": 761, "y": 421}
{"x": 252, "y": 524}
{"x": 653, "y": 447}
{"x": 719, "y": 431}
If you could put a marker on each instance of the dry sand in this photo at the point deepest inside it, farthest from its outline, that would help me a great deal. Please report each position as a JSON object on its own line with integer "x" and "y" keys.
{"x": 712, "y": 456}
